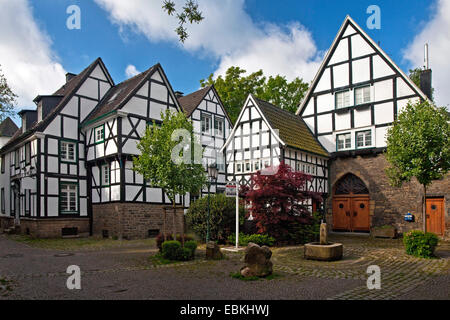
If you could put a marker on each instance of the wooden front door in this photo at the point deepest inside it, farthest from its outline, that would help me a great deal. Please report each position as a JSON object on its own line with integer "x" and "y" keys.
{"x": 435, "y": 215}
{"x": 351, "y": 213}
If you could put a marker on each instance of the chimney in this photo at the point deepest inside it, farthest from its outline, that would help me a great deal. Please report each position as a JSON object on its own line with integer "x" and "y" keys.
{"x": 69, "y": 76}
{"x": 425, "y": 76}
{"x": 178, "y": 94}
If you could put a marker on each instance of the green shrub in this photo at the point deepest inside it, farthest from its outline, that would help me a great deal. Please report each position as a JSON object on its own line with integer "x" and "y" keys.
{"x": 420, "y": 244}
{"x": 171, "y": 250}
{"x": 259, "y": 239}
{"x": 223, "y": 217}
{"x": 160, "y": 239}
{"x": 184, "y": 254}
{"x": 191, "y": 245}
{"x": 301, "y": 233}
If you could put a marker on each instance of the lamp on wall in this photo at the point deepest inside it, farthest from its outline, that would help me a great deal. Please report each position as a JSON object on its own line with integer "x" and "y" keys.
{"x": 212, "y": 176}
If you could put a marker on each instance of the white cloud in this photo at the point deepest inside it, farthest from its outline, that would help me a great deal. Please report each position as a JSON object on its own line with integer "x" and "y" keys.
{"x": 227, "y": 34}
{"x": 435, "y": 33}
{"x": 26, "y": 58}
{"x": 131, "y": 71}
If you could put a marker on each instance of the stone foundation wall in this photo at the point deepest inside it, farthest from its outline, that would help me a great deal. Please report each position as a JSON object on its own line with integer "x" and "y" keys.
{"x": 134, "y": 220}
{"x": 388, "y": 204}
{"x": 47, "y": 228}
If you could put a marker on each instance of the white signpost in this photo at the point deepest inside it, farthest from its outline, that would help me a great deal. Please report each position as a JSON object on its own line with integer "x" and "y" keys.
{"x": 231, "y": 190}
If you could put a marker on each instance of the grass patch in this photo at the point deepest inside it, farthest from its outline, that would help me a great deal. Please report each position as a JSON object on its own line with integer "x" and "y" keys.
{"x": 237, "y": 275}
{"x": 89, "y": 243}
{"x": 5, "y": 286}
{"x": 158, "y": 260}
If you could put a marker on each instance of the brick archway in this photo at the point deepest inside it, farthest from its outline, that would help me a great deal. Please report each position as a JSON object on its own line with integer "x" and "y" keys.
{"x": 351, "y": 204}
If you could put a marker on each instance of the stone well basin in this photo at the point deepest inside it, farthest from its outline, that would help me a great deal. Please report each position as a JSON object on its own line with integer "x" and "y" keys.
{"x": 324, "y": 252}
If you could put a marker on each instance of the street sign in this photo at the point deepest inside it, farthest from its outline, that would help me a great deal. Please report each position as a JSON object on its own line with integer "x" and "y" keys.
{"x": 230, "y": 190}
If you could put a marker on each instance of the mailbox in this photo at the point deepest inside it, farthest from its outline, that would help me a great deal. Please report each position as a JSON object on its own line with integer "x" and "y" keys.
{"x": 409, "y": 217}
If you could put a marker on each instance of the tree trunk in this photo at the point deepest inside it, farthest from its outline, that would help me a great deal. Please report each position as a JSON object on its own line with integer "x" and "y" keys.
{"x": 164, "y": 224}
{"x": 173, "y": 218}
{"x": 424, "y": 208}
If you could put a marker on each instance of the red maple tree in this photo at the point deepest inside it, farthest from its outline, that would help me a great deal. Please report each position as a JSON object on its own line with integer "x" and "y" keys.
{"x": 278, "y": 198}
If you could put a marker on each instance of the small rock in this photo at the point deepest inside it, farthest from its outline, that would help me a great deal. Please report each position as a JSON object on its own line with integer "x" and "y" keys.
{"x": 213, "y": 251}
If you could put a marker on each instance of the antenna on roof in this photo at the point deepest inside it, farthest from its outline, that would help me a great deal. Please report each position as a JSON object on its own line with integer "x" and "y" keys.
{"x": 426, "y": 57}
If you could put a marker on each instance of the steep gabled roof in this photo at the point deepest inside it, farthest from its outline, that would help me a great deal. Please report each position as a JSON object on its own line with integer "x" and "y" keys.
{"x": 66, "y": 92}
{"x": 292, "y": 130}
{"x": 349, "y": 21}
{"x": 8, "y": 128}
{"x": 191, "y": 101}
{"x": 118, "y": 95}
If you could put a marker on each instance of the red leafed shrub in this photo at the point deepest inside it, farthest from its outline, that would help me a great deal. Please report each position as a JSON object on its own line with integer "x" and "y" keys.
{"x": 276, "y": 201}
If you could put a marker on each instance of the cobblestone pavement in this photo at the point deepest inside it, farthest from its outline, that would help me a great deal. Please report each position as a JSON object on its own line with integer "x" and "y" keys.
{"x": 129, "y": 274}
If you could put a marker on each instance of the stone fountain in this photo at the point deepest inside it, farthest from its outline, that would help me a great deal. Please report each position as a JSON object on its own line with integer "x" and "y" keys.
{"x": 324, "y": 250}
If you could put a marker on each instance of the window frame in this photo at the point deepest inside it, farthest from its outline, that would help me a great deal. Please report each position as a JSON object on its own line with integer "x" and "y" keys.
{"x": 75, "y": 143}
{"x": 209, "y": 116}
{"x": 102, "y": 126}
{"x": 2, "y": 199}
{"x": 27, "y": 153}
{"x": 335, "y": 99}
{"x": 17, "y": 158}
{"x": 362, "y": 88}
{"x": 364, "y": 146}
{"x": 102, "y": 182}
{"x": 218, "y": 119}
{"x": 337, "y": 141}
{"x": 77, "y": 198}
{"x": 3, "y": 165}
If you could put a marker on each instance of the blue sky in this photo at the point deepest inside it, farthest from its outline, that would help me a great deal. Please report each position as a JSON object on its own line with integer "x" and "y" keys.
{"x": 138, "y": 33}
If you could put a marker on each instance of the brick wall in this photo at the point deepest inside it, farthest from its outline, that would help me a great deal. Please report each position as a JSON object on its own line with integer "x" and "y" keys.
{"x": 389, "y": 204}
{"x": 47, "y": 228}
{"x": 134, "y": 220}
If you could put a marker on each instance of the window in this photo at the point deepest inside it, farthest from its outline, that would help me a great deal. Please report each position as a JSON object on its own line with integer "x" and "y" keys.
{"x": 362, "y": 95}
{"x": 2, "y": 199}
{"x": 256, "y": 166}
{"x": 206, "y": 123}
{"x": 342, "y": 99}
{"x": 99, "y": 133}
{"x": 219, "y": 125}
{"x": 363, "y": 139}
{"x": 67, "y": 151}
{"x": 238, "y": 167}
{"x": 68, "y": 198}
{"x": 343, "y": 141}
{"x": 266, "y": 163}
{"x": 3, "y": 164}
{"x": 28, "y": 153}
{"x": 16, "y": 159}
{"x": 248, "y": 166}
{"x": 106, "y": 175}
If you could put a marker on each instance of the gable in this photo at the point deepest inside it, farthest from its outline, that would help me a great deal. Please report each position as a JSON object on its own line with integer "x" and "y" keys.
{"x": 353, "y": 60}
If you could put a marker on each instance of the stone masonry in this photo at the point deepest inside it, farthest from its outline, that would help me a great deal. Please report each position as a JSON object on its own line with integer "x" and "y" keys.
{"x": 134, "y": 220}
{"x": 388, "y": 204}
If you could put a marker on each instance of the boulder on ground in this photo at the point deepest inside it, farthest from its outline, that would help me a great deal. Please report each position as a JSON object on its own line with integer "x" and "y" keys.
{"x": 213, "y": 251}
{"x": 257, "y": 261}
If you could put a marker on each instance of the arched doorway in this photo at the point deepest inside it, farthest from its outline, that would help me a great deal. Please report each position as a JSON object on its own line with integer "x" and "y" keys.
{"x": 351, "y": 205}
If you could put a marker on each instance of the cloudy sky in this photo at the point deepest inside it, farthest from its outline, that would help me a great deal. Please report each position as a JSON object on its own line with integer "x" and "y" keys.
{"x": 288, "y": 37}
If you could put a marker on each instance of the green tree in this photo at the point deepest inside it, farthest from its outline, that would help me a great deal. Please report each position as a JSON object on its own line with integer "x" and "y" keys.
{"x": 418, "y": 145}
{"x": 7, "y": 99}
{"x": 170, "y": 158}
{"x": 235, "y": 87}
{"x": 189, "y": 13}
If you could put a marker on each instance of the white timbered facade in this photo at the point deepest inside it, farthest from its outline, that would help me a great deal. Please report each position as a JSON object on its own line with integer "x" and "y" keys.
{"x": 264, "y": 135}
{"x": 356, "y": 94}
{"x": 212, "y": 126}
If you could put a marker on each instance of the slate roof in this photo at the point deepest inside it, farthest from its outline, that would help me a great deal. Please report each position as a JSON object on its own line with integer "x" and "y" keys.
{"x": 293, "y": 130}
{"x": 66, "y": 91}
{"x": 191, "y": 101}
{"x": 118, "y": 95}
{"x": 8, "y": 128}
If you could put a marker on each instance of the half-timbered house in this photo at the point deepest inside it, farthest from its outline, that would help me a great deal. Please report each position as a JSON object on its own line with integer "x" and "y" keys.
{"x": 212, "y": 126}
{"x": 264, "y": 135}
{"x": 353, "y": 100}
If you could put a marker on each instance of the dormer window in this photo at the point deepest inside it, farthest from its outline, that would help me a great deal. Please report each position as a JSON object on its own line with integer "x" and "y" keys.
{"x": 362, "y": 95}
{"x": 99, "y": 134}
{"x": 342, "y": 99}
